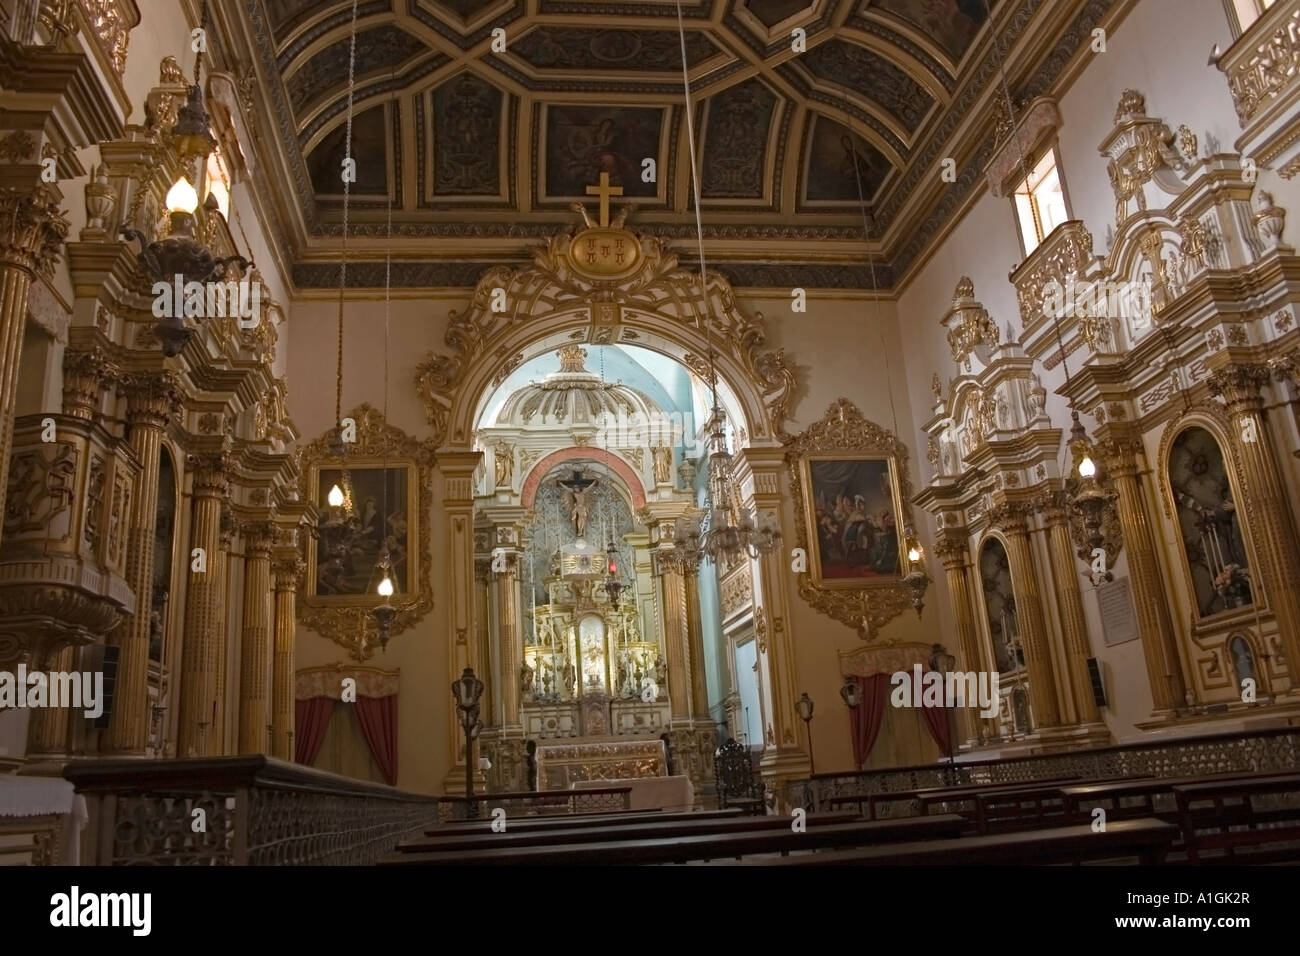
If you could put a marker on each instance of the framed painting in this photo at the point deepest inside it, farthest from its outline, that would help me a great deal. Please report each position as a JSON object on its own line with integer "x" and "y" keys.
{"x": 380, "y": 495}
{"x": 852, "y": 515}
{"x": 849, "y": 485}
{"x": 377, "y": 502}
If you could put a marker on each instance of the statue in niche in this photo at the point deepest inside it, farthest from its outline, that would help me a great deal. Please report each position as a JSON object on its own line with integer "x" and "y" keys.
{"x": 660, "y": 671}
{"x": 1004, "y": 412}
{"x": 568, "y": 674}
{"x": 663, "y": 463}
{"x": 504, "y": 457}
{"x": 948, "y": 453}
{"x": 526, "y": 681}
{"x": 1036, "y": 398}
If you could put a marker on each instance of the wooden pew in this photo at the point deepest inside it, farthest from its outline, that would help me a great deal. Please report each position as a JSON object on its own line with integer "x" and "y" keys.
{"x": 678, "y": 825}
{"x": 1228, "y": 821}
{"x": 929, "y": 798}
{"x": 1127, "y": 798}
{"x": 575, "y": 821}
{"x": 819, "y": 835}
{"x": 1145, "y": 840}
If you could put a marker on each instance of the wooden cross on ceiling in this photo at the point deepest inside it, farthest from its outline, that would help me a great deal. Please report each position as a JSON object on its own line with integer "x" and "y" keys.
{"x": 604, "y": 191}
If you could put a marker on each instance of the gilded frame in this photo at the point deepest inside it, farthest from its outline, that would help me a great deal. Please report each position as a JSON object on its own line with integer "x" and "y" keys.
{"x": 346, "y": 619}
{"x": 816, "y": 569}
{"x": 844, "y": 434}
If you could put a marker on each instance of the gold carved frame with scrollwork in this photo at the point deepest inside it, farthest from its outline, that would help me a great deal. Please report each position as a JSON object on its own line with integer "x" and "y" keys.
{"x": 346, "y": 619}
{"x": 843, "y": 433}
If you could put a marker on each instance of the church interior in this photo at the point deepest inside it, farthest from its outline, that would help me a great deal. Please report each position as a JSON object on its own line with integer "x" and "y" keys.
{"x": 649, "y": 423}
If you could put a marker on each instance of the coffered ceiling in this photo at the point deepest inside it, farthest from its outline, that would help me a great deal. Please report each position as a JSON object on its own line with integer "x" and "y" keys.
{"x": 491, "y": 149}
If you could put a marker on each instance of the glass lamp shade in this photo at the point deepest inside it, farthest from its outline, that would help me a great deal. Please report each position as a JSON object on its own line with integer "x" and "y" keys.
{"x": 385, "y": 588}
{"x": 467, "y": 690}
{"x": 804, "y": 706}
{"x": 182, "y": 197}
{"x": 851, "y": 693}
{"x": 335, "y": 498}
{"x": 1087, "y": 469}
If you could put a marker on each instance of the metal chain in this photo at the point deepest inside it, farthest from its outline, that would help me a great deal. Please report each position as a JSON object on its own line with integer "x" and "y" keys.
{"x": 347, "y": 192}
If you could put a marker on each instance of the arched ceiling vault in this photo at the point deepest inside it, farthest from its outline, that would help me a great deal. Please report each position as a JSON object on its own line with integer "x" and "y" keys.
{"x": 492, "y": 148}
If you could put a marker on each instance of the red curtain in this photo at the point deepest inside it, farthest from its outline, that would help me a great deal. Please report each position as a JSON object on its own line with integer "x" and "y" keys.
{"x": 936, "y": 718}
{"x": 867, "y": 717}
{"x": 378, "y": 717}
{"x": 311, "y": 717}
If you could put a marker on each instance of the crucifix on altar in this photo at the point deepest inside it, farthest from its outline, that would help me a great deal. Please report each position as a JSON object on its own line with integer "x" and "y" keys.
{"x": 604, "y": 191}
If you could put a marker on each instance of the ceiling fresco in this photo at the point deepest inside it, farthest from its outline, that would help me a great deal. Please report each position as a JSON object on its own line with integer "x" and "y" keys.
{"x": 490, "y": 147}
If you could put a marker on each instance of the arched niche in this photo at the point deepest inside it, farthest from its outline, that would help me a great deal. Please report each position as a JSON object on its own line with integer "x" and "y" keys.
{"x": 1201, "y": 494}
{"x": 997, "y": 594}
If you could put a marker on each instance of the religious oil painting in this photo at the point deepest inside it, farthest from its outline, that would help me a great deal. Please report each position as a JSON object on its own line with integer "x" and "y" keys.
{"x": 1213, "y": 544}
{"x": 363, "y": 509}
{"x": 854, "y": 520}
{"x": 838, "y": 161}
{"x": 584, "y": 141}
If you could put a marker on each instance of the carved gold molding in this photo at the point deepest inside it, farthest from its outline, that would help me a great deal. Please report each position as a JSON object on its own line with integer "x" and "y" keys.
{"x": 843, "y": 429}
{"x": 351, "y": 626}
{"x": 657, "y": 292}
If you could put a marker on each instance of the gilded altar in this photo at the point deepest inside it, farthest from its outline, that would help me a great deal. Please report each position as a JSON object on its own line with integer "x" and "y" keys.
{"x": 560, "y": 765}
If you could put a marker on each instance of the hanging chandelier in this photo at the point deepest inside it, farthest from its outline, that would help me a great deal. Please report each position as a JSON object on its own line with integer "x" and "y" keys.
{"x": 730, "y": 531}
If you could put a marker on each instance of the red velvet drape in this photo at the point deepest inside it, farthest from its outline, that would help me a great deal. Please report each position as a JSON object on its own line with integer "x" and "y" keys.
{"x": 936, "y": 718}
{"x": 310, "y": 719}
{"x": 378, "y": 717}
{"x": 868, "y": 715}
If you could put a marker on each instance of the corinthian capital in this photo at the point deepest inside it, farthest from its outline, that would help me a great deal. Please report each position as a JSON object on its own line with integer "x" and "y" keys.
{"x": 1240, "y": 385}
{"x": 259, "y": 537}
{"x": 32, "y": 228}
{"x": 288, "y": 570}
{"x": 86, "y": 372}
{"x": 211, "y": 474}
{"x": 1010, "y": 518}
{"x": 152, "y": 398}
{"x": 953, "y": 547}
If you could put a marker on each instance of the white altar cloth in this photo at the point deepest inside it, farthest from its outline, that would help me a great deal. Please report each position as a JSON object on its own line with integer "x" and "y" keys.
{"x": 671, "y": 794}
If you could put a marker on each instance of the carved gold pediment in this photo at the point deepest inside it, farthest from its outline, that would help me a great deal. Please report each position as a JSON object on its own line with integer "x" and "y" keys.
{"x": 1062, "y": 257}
{"x": 650, "y": 291}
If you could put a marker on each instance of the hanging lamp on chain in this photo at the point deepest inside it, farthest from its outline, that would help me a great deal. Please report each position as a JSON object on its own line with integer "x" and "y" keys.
{"x": 730, "y": 531}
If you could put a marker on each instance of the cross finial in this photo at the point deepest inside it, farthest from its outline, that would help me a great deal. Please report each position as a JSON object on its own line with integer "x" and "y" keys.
{"x": 604, "y": 191}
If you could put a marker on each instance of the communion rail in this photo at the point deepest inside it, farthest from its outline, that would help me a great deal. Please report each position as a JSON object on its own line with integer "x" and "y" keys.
{"x": 1209, "y": 754}
{"x": 533, "y": 803}
{"x": 255, "y": 811}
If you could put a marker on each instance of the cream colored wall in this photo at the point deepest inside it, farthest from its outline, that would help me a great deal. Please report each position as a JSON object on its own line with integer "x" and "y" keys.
{"x": 1179, "y": 88}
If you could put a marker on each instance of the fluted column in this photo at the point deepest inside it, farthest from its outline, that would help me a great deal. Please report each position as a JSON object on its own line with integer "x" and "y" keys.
{"x": 288, "y": 569}
{"x": 457, "y": 468}
{"x": 1074, "y": 626}
{"x": 511, "y": 638}
{"x": 85, "y": 375}
{"x": 1272, "y": 525}
{"x": 203, "y": 600}
{"x": 695, "y": 646}
{"x": 152, "y": 398}
{"x": 32, "y": 231}
{"x": 1150, "y": 596}
{"x": 953, "y": 550}
{"x": 219, "y": 664}
{"x": 1029, "y": 614}
{"x": 672, "y": 605}
{"x": 255, "y": 638}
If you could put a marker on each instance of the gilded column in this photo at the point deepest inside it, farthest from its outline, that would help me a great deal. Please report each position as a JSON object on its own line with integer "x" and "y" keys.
{"x": 953, "y": 549}
{"x": 288, "y": 569}
{"x": 220, "y": 663}
{"x": 32, "y": 231}
{"x": 1272, "y": 524}
{"x": 1164, "y": 675}
{"x": 457, "y": 468}
{"x": 672, "y": 604}
{"x": 196, "y": 735}
{"x": 1074, "y": 626}
{"x": 1010, "y": 520}
{"x": 152, "y": 398}
{"x": 695, "y": 645}
{"x": 511, "y": 638}
{"x": 85, "y": 374}
{"x": 483, "y": 602}
{"x": 255, "y": 639}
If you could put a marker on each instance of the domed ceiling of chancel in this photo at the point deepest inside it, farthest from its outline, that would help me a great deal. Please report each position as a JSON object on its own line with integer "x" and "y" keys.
{"x": 575, "y": 396}
{"x": 491, "y": 147}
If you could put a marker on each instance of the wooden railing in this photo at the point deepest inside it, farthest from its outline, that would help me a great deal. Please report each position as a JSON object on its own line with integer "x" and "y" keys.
{"x": 239, "y": 811}
{"x": 533, "y": 803}
{"x": 1275, "y": 749}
